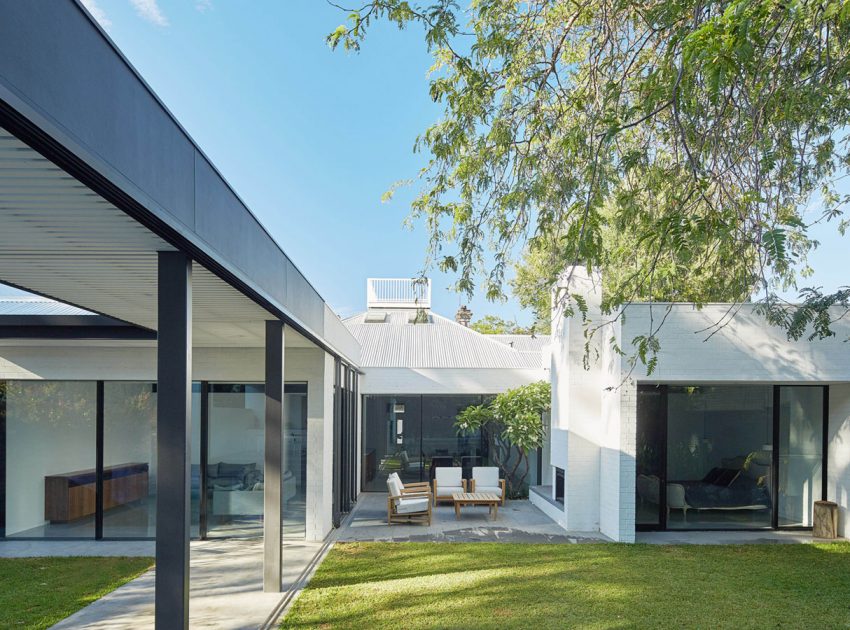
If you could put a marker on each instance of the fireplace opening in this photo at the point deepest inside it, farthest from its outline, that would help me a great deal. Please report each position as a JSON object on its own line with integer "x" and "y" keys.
{"x": 559, "y": 485}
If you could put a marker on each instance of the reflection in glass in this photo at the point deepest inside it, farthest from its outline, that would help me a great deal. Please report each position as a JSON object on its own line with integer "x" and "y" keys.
{"x": 235, "y": 461}
{"x": 391, "y": 440}
{"x": 295, "y": 461}
{"x": 412, "y": 434}
{"x": 440, "y": 440}
{"x": 50, "y": 459}
{"x": 129, "y": 460}
{"x": 800, "y": 453}
{"x": 719, "y": 457}
{"x": 649, "y": 459}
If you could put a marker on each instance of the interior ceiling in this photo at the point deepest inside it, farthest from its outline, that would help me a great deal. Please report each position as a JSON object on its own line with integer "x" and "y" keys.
{"x": 60, "y": 239}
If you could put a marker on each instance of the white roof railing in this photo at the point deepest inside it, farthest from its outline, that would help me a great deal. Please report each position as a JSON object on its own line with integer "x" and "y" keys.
{"x": 398, "y": 293}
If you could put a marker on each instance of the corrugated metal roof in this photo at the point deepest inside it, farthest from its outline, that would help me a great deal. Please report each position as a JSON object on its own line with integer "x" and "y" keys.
{"x": 26, "y": 305}
{"x": 442, "y": 343}
{"x": 523, "y": 343}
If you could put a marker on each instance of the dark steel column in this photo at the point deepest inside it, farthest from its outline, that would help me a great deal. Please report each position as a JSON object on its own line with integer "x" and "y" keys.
{"x": 173, "y": 441}
{"x": 98, "y": 464}
{"x": 273, "y": 462}
{"x": 205, "y": 454}
{"x": 3, "y": 386}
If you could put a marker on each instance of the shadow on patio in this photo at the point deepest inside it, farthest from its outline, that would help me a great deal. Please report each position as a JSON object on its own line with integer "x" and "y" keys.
{"x": 517, "y": 521}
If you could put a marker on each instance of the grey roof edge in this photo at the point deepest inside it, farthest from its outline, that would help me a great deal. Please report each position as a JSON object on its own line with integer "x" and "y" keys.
{"x": 29, "y": 120}
{"x": 188, "y": 136}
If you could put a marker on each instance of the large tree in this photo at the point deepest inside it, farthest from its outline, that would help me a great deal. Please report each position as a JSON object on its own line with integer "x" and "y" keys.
{"x": 682, "y": 147}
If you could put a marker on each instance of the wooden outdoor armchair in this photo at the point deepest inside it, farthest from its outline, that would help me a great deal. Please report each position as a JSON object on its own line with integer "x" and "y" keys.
{"x": 486, "y": 479}
{"x": 408, "y": 503}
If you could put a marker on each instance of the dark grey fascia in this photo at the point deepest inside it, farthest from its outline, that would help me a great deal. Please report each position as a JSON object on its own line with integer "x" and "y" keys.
{"x": 71, "y": 327}
{"x": 68, "y": 92}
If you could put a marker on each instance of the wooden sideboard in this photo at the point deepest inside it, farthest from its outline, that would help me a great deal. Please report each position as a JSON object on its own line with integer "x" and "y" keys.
{"x": 69, "y": 496}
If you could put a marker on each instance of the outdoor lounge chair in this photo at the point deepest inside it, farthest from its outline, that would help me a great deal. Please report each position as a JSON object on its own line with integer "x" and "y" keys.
{"x": 486, "y": 479}
{"x": 447, "y": 481}
{"x": 411, "y": 502}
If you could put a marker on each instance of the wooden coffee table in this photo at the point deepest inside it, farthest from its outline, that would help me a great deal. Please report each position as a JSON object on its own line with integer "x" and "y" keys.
{"x": 477, "y": 498}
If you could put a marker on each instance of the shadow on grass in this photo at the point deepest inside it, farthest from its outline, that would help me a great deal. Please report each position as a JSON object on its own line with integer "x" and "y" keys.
{"x": 483, "y": 585}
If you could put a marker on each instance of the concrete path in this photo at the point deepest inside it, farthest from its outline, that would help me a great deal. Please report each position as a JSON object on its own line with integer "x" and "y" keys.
{"x": 518, "y": 521}
{"x": 226, "y": 589}
{"x": 760, "y": 537}
{"x": 64, "y": 548}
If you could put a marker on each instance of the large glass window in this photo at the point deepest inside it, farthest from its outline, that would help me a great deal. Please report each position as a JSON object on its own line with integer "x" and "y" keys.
{"x": 719, "y": 454}
{"x": 729, "y": 456}
{"x": 391, "y": 439}
{"x": 441, "y": 444}
{"x": 129, "y": 460}
{"x": 50, "y": 459}
{"x": 411, "y": 435}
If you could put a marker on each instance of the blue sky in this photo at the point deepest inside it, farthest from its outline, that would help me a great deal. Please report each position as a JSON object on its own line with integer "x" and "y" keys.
{"x": 311, "y": 138}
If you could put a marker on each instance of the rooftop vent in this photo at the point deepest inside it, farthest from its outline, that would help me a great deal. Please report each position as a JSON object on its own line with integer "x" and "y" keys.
{"x": 398, "y": 293}
{"x": 419, "y": 316}
{"x": 375, "y": 317}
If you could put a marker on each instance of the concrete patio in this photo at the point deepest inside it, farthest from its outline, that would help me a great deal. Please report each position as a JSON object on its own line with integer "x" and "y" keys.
{"x": 517, "y": 521}
{"x": 755, "y": 537}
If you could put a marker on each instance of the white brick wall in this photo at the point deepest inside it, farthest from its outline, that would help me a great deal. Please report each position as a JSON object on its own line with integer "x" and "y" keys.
{"x": 628, "y": 466}
{"x": 838, "y": 462}
{"x": 746, "y": 349}
{"x": 594, "y": 413}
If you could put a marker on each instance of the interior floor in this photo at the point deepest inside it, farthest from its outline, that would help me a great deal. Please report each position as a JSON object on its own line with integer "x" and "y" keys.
{"x": 138, "y": 520}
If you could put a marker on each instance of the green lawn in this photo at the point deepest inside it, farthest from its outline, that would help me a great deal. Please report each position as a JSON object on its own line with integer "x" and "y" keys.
{"x": 38, "y": 592}
{"x": 494, "y": 585}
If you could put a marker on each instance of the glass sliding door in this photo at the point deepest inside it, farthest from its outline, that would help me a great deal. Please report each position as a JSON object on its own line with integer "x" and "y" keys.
{"x": 441, "y": 444}
{"x": 729, "y": 456}
{"x": 50, "y": 459}
{"x": 649, "y": 460}
{"x": 719, "y": 457}
{"x": 295, "y": 461}
{"x": 235, "y": 460}
{"x": 392, "y": 432}
{"x": 800, "y": 441}
{"x": 129, "y": 460}
{"x": 411, "y": 435}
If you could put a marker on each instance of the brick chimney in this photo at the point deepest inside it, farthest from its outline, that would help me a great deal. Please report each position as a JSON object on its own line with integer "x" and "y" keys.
{"x": 463, "y": 316}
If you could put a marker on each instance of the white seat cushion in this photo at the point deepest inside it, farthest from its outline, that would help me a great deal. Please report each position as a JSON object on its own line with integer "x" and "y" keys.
{"x": 497, "y": 490}
{"x": 394, "y": 487}
{"x": 408, "y": 506}
{"x": 444, "y": 491}
{"x": 448, "y": 477}
{"x": 485, "y": 476}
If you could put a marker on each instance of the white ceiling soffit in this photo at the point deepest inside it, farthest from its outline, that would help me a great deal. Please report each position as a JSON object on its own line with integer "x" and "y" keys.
{"x": 60, "y": 239}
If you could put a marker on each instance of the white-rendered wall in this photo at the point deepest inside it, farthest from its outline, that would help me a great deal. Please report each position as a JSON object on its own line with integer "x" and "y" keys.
{"x": 838, "y": 462}
{"x": 560, "y": 372}
{"x": 577, "y": 429}
{"x": 320, "y": 452}
{"x": 617, "y": 444}
{"x": 234, "y": 365}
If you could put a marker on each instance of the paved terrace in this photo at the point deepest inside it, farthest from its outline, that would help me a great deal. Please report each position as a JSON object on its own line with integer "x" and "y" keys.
{"x": 518, "y": 521}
